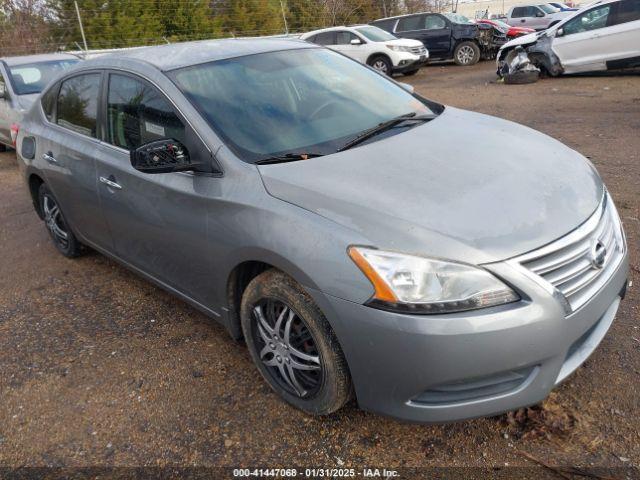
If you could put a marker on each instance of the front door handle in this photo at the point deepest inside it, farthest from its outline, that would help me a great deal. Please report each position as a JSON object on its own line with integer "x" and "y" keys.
{"x": 110, "y": 182}
{"x": 49, "y": 158}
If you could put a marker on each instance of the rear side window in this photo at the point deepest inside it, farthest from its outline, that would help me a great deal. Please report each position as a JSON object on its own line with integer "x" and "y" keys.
{"x": 325, "y": 38}
{"x": 78, "y": 104}
{"x": 49, "y": 102}
{"x": 137, "y": 113}
{"x": 407, "y": 24}
{"x": 628, "y": 11}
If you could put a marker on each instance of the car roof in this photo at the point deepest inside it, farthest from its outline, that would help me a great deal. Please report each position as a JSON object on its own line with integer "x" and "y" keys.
{"x": 178, "y": 55}
{"x": 45, "y": 57}
{"x": 332, "y": 29}
{"x": 406, "y": 15}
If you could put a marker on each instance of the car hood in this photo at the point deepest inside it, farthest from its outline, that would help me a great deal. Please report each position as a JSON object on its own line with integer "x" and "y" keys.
{"x": 405, "y": 42}
{"x": 523, "y": 40}
{"x": 464, "y": 186}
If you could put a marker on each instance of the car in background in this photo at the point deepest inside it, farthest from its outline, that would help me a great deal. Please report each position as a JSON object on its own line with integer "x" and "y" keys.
{"x": 447, "y": 36}
{"x": 511, "y": 31}
{"x": 603, "y": 36}
{"x": 374, "y": 47}
{"x": 21, "y": 81}
{"x": 538, "y": 16}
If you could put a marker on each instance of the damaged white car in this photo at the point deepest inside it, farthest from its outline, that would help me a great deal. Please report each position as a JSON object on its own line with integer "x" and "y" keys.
{"x": 602, "y": 36}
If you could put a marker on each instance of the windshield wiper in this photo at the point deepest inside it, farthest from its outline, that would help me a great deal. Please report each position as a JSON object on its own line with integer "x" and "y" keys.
{"x": 287, "y": 157}
{"x": 381, "y": 127}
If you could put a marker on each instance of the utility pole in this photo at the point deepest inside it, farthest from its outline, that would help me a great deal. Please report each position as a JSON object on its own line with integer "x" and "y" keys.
{"x": 84, "y": 40}
{"x": 284, "y": 17}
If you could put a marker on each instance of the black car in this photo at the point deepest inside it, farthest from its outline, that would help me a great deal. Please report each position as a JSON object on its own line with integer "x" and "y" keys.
{"x": 447, "y": 36}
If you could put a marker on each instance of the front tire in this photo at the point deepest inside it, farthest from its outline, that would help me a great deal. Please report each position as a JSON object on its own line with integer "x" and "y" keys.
{"x": 466, "y": 54}
{"x": 381, "y": 64}
{"x": 63, "y": 238}
{"x": 292, "y": 344}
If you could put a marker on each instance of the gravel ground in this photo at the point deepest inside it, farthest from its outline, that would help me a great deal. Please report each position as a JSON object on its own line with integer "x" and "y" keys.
{"x": 100, "y": 368}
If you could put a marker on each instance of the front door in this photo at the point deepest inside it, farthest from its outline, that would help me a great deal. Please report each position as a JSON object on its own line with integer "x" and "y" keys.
{"x": 158, "y": 221}
{"x": 587, "y": 40}
{"x": 432, "y": 30}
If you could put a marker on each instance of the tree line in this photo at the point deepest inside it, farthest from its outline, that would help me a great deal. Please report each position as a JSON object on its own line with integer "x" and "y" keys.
{"x": 35, "y": 26}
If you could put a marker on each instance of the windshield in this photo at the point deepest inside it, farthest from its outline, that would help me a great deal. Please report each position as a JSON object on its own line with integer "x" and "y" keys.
{"x": 376, "y": 34}
{"x": 307, "y": 100}
{"x": 457, "y": 18}
{"x": 548, "y": 9}
{"x": 31, "y": 78}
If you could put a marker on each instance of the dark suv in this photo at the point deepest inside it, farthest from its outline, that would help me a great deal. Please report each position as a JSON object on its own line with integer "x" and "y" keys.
{"x": 447, "y": 36}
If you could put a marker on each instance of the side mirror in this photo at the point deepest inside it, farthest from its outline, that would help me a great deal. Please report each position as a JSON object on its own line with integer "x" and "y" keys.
{"x": 560, "y": 32}
{"x": 407, "y": 87}
{"x": 164, "y": 156}
{"x": 356, "y": 41}
{"x": 539, "y": 14}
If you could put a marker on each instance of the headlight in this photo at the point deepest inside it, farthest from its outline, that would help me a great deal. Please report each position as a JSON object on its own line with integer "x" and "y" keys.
{"x": 399, "y": 48}
{"x": 413, "y": 284}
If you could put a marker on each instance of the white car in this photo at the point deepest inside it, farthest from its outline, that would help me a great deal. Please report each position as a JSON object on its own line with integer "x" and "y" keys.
{"x": 535, "y": 15}
{"x": 373, "y": 46}
{"x": 602, "y": 36}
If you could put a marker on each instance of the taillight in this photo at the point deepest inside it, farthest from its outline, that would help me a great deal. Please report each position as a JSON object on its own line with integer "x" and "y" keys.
{"x": 15, "y": 128}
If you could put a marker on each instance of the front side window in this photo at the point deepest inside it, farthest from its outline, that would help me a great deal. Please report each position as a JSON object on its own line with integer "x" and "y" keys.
{"x": 434, "y": 22}
{"x": 375, "y": 34}
{"x": 33, "y": 77}
{"x": 344, "y": 38}
{"x": 591, "y": 20}
{"x": 408, "y": 24}
{"x": 78, "y": 104}
{"x": 628, "y": 11}
{"x": 305, "y": 100}
{"x": 138, "y": 113}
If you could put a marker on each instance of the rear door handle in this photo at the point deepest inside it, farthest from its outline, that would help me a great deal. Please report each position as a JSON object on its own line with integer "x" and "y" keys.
{"x": 110, "y": 182}
{"x": 49, "y": 158}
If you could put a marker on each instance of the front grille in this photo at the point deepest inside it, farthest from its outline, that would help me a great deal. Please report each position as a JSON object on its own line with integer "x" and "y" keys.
{"x": 579, "y": 264}
{"x": 419, "y": 50}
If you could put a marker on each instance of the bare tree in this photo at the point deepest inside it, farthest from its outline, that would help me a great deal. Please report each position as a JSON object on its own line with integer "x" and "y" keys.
{"x": 25, "y": 27}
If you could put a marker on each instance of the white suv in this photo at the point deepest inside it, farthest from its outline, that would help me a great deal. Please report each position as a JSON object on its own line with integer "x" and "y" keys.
{"x": 373, "y": 46}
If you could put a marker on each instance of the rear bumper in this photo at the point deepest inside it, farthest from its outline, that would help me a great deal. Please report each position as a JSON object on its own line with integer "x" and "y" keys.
{"x": 458, "y": 366}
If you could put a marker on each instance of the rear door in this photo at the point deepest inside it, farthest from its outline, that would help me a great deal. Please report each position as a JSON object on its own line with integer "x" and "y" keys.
{"x": 68, "y": 147}
{"x": 591, "y": 39}
{"x": 158, "y": 221}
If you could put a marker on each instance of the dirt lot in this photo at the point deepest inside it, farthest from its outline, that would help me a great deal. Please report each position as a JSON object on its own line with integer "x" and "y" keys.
{"x": 98, "y": 367}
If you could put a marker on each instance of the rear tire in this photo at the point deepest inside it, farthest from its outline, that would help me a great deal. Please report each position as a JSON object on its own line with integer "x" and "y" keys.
{"x": 466, "y": 54}
{"x": 63, "y": 238}
{"x": 381, "y": 64}
{"x": 293, "y": 345}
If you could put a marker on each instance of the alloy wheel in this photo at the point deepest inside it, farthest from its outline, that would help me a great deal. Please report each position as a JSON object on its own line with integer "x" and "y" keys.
{"x": 54, "y": 221}
{"x": 466, "y": 54}
{"x": 380, "y": 65}
{"x": 287, "y": 348}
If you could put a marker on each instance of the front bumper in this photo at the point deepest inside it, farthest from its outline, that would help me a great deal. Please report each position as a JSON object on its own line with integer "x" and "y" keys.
{"x": 408, "y": 62}
{"x": 458, "y": 366}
